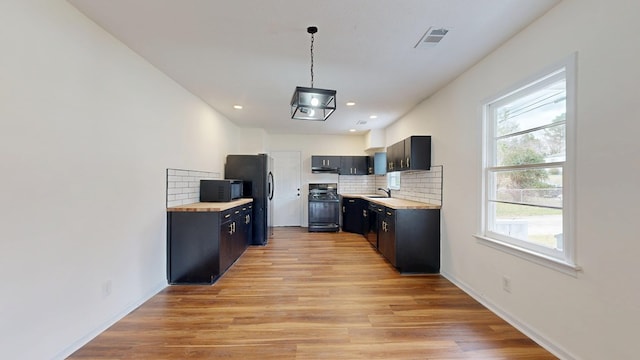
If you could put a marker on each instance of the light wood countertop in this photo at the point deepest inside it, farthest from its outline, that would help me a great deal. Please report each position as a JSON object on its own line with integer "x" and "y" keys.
{"x": 393, "y": 203}
{"x": 209, "y": 206}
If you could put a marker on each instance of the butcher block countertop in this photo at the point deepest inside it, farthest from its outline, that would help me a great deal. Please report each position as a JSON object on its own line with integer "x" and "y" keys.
{"x": 209, "y": 206}
{"x": 393, "y": 203}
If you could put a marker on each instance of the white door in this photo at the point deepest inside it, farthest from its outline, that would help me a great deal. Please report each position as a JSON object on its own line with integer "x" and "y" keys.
{"x": 287, "y": 199}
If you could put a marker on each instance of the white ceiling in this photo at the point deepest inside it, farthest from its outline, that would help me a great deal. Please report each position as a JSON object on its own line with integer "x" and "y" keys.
{"x": 255, "y": 52}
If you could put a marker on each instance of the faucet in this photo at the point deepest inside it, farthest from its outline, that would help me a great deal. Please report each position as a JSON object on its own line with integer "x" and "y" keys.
{"x": 387, "y": 191}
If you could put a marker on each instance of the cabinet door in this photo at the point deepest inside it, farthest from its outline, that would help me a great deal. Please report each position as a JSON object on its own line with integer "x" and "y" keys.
{"x": 360, "y": 165}
{"x": 352, "y": 215}
{"x": 226, "y": 244}
{"x": 346, "y": 165}
{"x": 395, "y": 156}
{"x": 379, "y": 163}
{"x": 417, "y": 153}
{"x": 387, "y": 237}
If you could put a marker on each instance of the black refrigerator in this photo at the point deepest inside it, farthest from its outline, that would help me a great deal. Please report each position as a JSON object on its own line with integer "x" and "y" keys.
{"x": 255, "y": 171}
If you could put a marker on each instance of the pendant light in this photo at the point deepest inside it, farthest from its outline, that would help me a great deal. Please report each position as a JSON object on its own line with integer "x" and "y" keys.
{"x": 309, "y": 103}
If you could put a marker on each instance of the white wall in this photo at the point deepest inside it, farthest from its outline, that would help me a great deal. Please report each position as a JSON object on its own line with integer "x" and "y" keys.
{"x": 309, "y": 145}
{"x": 593, "y": 316}
{"x": 88, "y": 129}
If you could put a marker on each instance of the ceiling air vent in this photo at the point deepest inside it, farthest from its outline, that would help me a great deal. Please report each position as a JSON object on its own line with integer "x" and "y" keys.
{"x": 432, "y": 37}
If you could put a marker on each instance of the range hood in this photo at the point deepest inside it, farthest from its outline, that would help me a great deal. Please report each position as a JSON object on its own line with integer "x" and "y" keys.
{"x": 324, "y": 170}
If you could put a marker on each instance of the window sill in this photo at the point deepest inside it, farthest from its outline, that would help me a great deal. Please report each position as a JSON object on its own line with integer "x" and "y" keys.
{"x": 555, "y": 264}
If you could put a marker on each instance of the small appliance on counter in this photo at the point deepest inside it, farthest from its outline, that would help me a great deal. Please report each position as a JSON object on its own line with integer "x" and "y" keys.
{"x": 220, "y": 190}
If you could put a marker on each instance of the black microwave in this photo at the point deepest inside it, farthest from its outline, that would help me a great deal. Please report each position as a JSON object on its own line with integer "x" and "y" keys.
{"x": 220, "y": 190}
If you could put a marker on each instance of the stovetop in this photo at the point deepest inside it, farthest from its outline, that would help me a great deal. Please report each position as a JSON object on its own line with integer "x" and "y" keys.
{"x": 323, "y": 191}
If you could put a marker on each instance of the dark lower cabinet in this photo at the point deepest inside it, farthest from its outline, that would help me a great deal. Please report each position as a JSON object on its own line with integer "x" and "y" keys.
{"x": 352, "y": 214}
{"x": 410, "y": 239}
{"x": 202, "y": 245}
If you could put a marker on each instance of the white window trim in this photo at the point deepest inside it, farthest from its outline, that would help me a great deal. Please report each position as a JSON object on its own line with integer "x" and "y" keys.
{"x": 567, "y": 264}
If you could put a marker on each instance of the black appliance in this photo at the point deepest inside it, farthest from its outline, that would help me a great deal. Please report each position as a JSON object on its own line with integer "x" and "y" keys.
{"x": 220, "y": 190}
{"x": 324, "y": 208}
{"x": 374, "y": 214}
{"x": 255, "y": 172}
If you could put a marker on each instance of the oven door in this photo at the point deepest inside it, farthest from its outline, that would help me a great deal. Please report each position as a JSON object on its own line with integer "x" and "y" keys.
{"x": 324, "y": 215}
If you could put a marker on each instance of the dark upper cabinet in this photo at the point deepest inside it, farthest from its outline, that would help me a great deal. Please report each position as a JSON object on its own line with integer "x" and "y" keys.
{"x": 395, "y": 153}
{"x": 412, "y": 153}
{"x": 325, "y": 161}
{"x": 417, "y": 153}
{"x": 354, "y": 165}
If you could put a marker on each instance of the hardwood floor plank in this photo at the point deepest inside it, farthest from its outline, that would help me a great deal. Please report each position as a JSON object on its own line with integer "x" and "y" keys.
{"x": 313, "y": 296}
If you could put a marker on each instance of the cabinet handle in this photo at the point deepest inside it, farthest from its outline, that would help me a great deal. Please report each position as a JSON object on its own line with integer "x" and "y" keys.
{"x": 227, "y": 216}
{"x": 231, "y": 229}
{"x": 343, "y": 210}
{"x": 401, "y": 163}
{"x": 364, "y": 213}
{"x": 388, "y": 213}
{"x": 408, "y": 162}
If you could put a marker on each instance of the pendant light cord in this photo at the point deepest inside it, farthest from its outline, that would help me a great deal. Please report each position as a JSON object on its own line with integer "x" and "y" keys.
{"x": 312, "y": 38}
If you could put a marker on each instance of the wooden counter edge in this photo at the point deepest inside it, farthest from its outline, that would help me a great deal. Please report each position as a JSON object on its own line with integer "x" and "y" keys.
{"x": 400, "y": 204}
{"x": 208, "y": 206}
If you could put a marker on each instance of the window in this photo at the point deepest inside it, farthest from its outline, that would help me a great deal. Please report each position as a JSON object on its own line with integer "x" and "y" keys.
{"x": 527, "y": 170}
{"x": 393, "y": 180}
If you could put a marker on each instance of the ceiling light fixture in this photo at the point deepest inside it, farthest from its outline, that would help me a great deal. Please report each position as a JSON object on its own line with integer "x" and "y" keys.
{"x": 237, "y": 107}
{"x": 311, "y": 103}
{"x": 350, "y": 103}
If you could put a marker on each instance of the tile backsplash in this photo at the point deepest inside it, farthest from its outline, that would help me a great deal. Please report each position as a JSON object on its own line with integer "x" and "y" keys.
{"x": 183, "y": 186}
{"x": 424, "y": 186}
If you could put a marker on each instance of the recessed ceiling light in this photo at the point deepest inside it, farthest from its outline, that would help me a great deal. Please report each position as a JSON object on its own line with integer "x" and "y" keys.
{"x": 352, "y": 130}
{"x": 237, "y": 107}
{"x": 350, "y": 103}
{"x": 373, "y": 117}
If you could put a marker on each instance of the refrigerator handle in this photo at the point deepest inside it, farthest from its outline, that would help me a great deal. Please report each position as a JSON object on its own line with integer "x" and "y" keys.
{"x": 271, "y": 185}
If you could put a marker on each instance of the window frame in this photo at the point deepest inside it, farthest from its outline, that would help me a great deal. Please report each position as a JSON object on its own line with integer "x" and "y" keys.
{"x": 564, "y": 260}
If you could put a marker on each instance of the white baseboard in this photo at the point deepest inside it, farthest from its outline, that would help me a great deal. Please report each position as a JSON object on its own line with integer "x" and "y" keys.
{"x": 88, "y": 337}
{"x": 524, "y": 328}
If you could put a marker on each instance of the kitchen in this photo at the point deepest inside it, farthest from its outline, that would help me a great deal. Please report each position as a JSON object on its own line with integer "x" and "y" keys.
{"x": 77, "y": 110}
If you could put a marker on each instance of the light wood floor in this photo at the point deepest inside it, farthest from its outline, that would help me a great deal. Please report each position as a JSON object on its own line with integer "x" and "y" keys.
{"x": 313, "y": 296}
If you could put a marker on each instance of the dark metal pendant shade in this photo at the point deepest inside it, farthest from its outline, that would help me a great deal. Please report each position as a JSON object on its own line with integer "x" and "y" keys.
{"x": 312, "y": 104}
{"x": 309, "y": 103}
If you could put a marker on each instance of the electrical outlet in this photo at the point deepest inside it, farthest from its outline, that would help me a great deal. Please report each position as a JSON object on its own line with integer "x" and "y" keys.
{"x": 506, "y": 284}
{"x": 106, "y": 288}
